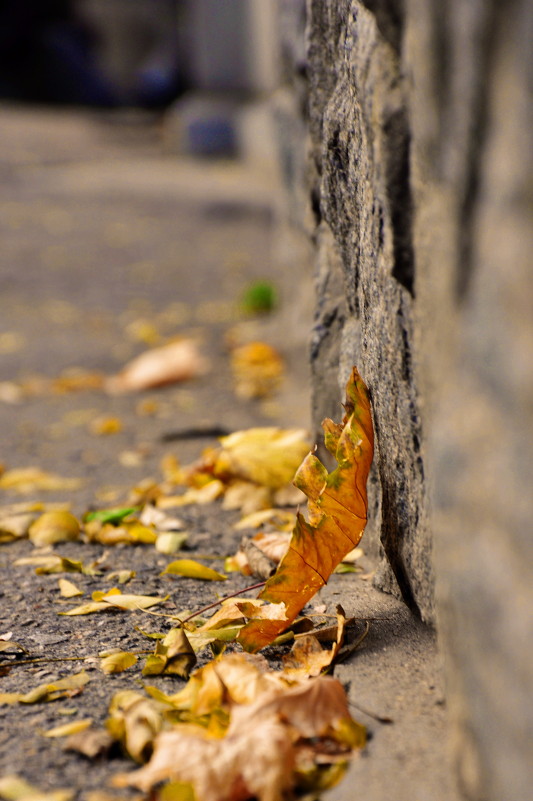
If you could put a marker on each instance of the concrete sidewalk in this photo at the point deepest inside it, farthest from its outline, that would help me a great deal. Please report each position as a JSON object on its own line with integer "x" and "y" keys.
{"x": 103, "y": 237}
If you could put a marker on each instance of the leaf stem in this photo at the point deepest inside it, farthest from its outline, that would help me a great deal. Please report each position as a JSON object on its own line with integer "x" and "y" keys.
{"x": 221, "y": 600}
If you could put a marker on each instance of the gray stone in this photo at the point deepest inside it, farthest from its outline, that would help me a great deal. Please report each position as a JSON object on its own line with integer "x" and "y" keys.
{"x": 421, "y": 189}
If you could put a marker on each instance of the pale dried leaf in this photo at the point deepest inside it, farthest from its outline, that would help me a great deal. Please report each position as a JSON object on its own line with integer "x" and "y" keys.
{"x": 177, "y": 361}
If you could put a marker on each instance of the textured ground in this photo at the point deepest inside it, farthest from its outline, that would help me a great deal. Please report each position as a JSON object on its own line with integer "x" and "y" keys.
{"x": 100, "y": 232}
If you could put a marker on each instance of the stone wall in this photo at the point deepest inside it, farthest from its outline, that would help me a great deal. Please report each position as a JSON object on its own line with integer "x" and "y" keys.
{"x": 421, "y": 192}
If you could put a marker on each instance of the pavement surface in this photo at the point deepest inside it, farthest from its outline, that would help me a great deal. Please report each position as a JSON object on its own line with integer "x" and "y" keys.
{"x": 110, "y": 244}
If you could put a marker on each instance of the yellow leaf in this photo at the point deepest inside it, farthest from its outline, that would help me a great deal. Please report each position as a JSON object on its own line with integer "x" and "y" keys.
{"x": 337, "y": 516}
{"x": 176, "y": 791}
{"x": 31, "y": 479}
{"x": 54, "y": 527}
{"x": 87, "y": 609}
{"x": 169, "y": 542}
{"x": 202, "y": 495}
{"x": 282, "y": 520}
{"x": 191, "y": 569}
{"x": 104, "y": 426}
{"x": 69, "y": 728}
{"x": 135, "y": 721}
{"x": 118, "y": 662}
{"x": 173, "y": 655}
{"x": 270, "y": 723}
{"x": 48, "y": 692}
{"x": 68, "y": 589}
{"x": 122, "y": 576}
{"x": 133, "y": 602}
{"x": 16, "y": 519}
{"x": 129, "y": 532}
{"x": 257, "y": 370}
{"x": 266, "y": 456}
{"x": 13, "y": 788}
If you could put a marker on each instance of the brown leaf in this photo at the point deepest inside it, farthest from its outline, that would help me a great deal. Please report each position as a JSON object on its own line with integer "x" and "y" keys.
{"x": 91, "y": 743}
{"x": 337, "y": 516}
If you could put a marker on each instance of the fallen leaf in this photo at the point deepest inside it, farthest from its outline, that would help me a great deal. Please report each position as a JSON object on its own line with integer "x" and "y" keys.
{"x": 68, "y": 589}
{"x": 264, "y": 746}
{"x": 176, "y": 791}
{"x": 259, "y": 297}
{"x": 280, "y": 519}
{"x": 308, "y": 658}
{"x": 129, "y": 532}
{"x": 117, "y": 662}
{"x": 7, "y": 644}
{"x": 105, "y": 426}
{"x": 114, "y": 516}
{"x": 246, "y": 496}
{"x": 191, "y": 569}
{"x": 202, "y": 495}
{"x": 177, "y": 361}
{"x": 134, "y": 720}
{"x": 91, "y": 743}
{"x": 257, "y": 370}
{"x": 337, "y": 516}
{"x": 265, "y": 456}
{"x": 48, "y": 692}
{"x": 151, "y": 516}
{"x": 54, "y": 564}
{"x": 13, "y": 788}
{"x": 77, "y": 380}
{"x": 16, "y": 519}
{"x": 173, "y": 655}
{"x": 31, "y": 479}
{"x": 102, "y": 602}
{"x": 52, "y": 527}
{"x": 67, "y": 729}
{"x": 122, "y": 576}
{"x": 169, "y": 542}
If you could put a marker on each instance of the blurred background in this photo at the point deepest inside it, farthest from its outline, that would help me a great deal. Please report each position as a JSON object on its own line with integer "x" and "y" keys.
{"x": 151, "y": 191}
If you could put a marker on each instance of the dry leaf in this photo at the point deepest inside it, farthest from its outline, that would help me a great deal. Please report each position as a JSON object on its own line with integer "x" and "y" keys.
{"x": 68, "y": 589}
{"x": 169, "y": 542}
{"x": 91, "y": 743}
{"x": 129, "y": 532}
{"x": 77, "y": 379}
{"x": 67, "y": 729}
{"x": 151, "y": 516}
{"x": 48, "y": 692}
{"x": 103, "y": 602}
{"x": 280, "y": 519}
{"x": 31, "y": 479}
{"x": 16, "y": 519}
{"x": 135, "y": 721}
{"x": 173, "y": 655}
{"x": 177, "y": 361}
{"x": 271, "y": 725}
{"x": 117, "y": 662}
{"x": 265, "y": 456}
{"x": 52, "y": 527}
{"x": 191, "y": 569}
{"x": 257, "y": 370}
{"x": 337, "y": 516}
{"x": 308, "y": 658}
{"x": 13, "y": 788}
{"x": 104, "y": 426}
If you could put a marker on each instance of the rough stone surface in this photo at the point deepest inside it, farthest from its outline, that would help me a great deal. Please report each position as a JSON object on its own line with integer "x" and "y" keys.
{"x": 365, "y": 314}
{"x": 420, "y": 121}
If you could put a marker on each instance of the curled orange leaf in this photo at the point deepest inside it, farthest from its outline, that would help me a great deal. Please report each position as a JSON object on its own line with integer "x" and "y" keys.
{"x": 337, "y": 508}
